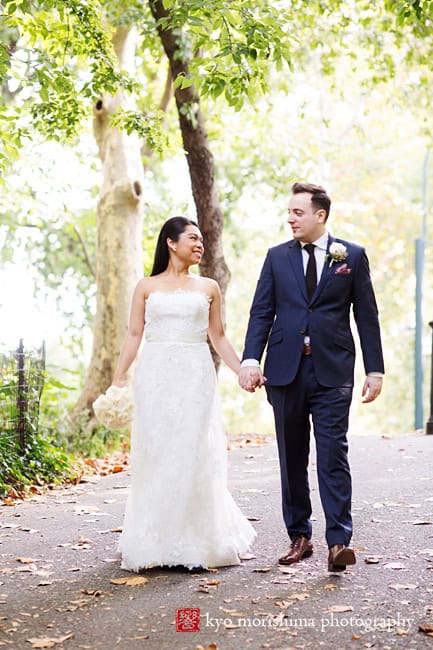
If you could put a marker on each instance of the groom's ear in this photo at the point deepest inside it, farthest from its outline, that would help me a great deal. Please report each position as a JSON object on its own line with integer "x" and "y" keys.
{"x": 321, "y": 214}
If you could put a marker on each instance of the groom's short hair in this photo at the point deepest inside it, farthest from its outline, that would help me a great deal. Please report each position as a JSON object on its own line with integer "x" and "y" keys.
{"x": 319, "y": 197}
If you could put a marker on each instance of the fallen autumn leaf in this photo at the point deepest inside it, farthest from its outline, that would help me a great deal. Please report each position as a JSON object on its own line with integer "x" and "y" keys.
{"x": 49, "y": 642}
{"x": 135, "y": 581}
{"x": 427, "y": 629}
{"x": 340, "y": 608}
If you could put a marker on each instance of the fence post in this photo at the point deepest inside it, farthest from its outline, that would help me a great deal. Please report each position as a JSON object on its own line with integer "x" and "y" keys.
{"x": 21, "y": 400}
{"x": 429, "y": 425}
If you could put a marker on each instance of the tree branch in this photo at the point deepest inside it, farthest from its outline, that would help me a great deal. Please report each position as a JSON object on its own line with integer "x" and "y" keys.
{"x": 84, "y": 249}
{"x": 167, "y": 94}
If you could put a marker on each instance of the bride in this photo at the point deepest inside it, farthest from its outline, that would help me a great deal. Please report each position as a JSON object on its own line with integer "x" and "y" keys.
{"x": 179, "y": 510}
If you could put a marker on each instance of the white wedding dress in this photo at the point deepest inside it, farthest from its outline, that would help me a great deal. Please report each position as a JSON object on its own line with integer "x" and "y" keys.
{"x": 179, "y": 510}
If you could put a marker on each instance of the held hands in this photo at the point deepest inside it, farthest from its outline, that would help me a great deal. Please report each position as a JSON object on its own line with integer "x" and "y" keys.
{"x": 251, "y": 378}
{"x": 371, "y": 389}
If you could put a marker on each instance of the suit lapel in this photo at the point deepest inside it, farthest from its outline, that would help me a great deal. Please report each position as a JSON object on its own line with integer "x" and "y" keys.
{"x": 295, "y": 258}
{"x": 326, "y": 272}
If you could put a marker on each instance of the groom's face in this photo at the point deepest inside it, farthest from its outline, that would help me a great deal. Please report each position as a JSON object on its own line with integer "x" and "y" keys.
{"x": 307, "y": 223}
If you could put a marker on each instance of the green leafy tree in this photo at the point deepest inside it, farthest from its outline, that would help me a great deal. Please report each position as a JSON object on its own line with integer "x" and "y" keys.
{"x": 219, "y": 55}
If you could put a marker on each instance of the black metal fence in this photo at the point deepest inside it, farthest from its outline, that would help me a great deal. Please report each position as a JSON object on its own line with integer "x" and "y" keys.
{"x": 22, "y": 375}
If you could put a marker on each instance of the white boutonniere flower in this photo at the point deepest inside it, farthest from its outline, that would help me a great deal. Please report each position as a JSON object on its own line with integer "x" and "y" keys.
{"x": 337, "y": 253}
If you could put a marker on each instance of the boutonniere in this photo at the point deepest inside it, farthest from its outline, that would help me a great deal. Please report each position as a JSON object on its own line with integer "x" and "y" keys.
{"x": 337, "y": 253}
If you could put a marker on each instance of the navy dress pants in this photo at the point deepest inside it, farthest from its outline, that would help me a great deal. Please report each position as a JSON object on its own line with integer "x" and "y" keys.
{"x": 329, "y": 410}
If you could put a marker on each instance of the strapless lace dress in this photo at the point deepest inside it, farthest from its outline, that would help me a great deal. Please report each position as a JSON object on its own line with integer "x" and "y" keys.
{"x": 179, "y": 510}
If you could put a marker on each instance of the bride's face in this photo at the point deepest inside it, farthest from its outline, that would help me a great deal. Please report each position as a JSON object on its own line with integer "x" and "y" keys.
{"x": 189, "y": 247}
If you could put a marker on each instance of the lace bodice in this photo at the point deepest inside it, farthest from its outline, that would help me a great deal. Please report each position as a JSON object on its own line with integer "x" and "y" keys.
{"x": 177, "y": 316}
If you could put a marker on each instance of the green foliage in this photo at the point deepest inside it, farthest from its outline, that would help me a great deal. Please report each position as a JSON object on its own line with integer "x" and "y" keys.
{"x": 346, "y": 107}
{"x": 234, "y": 45}
{"x": 55, "y": 59}
{"x": 56, "y": 56}
{"x": 57, "y": 33}
{"x": 411, "y": 10}
{"x": 48, "y": 227}
{"x": 86, "y": 442}
{"x": 75, "y": 439}
{"x": 38, "y": 463}
{"x": 150, "y": 127}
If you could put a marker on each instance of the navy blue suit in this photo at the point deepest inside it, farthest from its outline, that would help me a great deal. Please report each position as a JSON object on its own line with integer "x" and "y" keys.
{"x": 319, "y": 385}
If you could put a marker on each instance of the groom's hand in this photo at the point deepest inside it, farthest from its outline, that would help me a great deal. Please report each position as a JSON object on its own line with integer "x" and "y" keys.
{"x": 372, "y": 388}
{"x": 250, "y": 378}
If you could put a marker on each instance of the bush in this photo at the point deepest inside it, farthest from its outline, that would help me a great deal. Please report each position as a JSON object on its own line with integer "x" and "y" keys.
{"x": 35, "y": 464}
{"x": 26, "y": 457}
{"x": 81, "y": 437}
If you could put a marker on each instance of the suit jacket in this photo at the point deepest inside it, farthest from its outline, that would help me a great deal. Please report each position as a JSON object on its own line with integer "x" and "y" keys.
{"x": 281, "y": 315}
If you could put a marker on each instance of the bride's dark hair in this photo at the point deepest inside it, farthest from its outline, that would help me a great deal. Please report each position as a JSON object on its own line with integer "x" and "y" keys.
{"x": 172, "y": 229}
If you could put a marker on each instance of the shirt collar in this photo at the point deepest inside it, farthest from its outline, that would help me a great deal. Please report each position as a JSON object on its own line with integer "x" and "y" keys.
{"x": 321, "y": 242}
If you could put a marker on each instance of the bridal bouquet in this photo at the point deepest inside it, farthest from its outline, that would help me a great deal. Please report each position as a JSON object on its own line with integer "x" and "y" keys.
{"x": 115, "y": 408}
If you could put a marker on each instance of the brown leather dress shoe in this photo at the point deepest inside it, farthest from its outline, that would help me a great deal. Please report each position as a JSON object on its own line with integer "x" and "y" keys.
{"x": 299, "y": 548}
{"x": 339, "y": 557}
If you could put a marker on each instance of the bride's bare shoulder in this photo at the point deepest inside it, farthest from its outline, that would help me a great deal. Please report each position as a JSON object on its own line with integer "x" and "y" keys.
{"x": 144, "y": 286}
{"x": 211, "y": 287}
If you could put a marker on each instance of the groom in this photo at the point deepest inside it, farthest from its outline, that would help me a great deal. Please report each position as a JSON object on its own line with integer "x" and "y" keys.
{"x": 301, "y": 311}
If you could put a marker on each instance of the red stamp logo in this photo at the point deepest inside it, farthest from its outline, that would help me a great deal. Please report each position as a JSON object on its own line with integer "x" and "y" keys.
{"x": 188, "y": 619}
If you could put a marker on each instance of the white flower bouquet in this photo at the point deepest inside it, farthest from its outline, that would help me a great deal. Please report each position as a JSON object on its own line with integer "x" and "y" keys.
{"x": 115, "y": 408}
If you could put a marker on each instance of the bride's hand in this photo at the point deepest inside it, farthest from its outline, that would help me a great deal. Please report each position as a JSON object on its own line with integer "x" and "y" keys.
{"x": 120, "y": 381}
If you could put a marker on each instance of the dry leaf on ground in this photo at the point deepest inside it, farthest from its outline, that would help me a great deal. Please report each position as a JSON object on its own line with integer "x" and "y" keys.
{"x": 134, "y": 581}
{"x": 373, "y": 559}
{"x": 284, "y": 604}
{"x": 48, "y": 642}
{"x": 233, "y": 612}
{"x": 427, "y": 629}
{"x": 340, "y": 608}
{"x": 27, "y": 568}
{"x": 287, "y": 569}
{"x": 394, "y": 565}
{"x": 301, "y": 596}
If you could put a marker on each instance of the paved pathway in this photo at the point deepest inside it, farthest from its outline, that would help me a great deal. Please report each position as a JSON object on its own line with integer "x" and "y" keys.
{"x": 59, "y": 593}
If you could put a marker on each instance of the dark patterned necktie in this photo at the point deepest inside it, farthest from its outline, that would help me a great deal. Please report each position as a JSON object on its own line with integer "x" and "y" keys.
{"x": 311, "y": 272}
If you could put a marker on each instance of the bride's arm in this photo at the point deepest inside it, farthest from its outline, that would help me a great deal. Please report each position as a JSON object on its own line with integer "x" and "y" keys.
{"x": 216, "y": 331}
{"x": 130, "y": 346}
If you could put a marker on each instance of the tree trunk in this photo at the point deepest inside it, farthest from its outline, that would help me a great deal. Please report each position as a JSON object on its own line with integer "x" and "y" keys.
{"x": 199, "y": 157}
{"x": 119, "y": 233}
